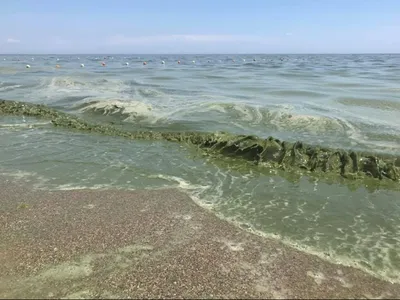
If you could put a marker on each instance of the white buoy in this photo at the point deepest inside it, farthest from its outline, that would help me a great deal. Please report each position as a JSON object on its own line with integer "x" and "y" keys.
{"x": 58, "y": 59}
{"x": 82, "y": 65}
{"x": 33, "y": 58}
{"x": 79, "y": 58}
{"x": 28, "y": 66}
{"x": 163, "y": 62}
{"x": 193, "y": 61}
{"x": 126, "y": 64}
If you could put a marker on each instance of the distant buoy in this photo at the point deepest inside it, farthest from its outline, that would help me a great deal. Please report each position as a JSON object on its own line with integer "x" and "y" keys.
{"x": 28, "y": 66}
{"x": 179, "y": 61}
{"x": 126, "y": 64}
{"x": 103, "y": 63}
{"x": 244, "y": 59}
{"x": 194, "y": 61}
{"x": 79, "y": 58}
{"x": 33, "y": 58}
{"x": 58, "y": 66}
{"x": 163, "y": 62}
{"x": 82, "y": 65}
{"x": 144, "y": 63}
{"x": 58, "y": 59}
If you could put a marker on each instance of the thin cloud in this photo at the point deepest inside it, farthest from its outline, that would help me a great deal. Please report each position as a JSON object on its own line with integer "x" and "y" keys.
{"x": 121, "y": 39}
{"x": 59, "y": 41}
{"x": 12, "y": 41}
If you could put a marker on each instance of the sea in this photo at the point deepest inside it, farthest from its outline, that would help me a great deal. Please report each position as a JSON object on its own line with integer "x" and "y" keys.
{"x": 339, "y": 101}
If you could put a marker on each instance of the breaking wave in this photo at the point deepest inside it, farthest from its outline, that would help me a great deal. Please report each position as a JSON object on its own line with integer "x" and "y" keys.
{"x": 126, "y": 111}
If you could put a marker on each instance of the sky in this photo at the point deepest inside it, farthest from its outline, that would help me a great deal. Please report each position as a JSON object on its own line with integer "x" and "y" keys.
{"x": 199, "y": 26}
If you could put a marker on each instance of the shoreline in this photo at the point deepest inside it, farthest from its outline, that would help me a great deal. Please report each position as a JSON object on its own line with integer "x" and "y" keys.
{"x": 152, "y": 244}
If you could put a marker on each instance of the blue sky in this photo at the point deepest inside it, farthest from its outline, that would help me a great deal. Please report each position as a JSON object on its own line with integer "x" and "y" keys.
{"x": 200, "y": 26}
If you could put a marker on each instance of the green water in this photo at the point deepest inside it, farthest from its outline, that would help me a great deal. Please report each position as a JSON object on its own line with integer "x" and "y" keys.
{"x": 331, "y": 101}
{"x": 353, "y": 225}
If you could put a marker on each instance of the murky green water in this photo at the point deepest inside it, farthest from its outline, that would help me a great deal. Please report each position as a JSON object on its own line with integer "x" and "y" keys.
{"x": 333, "y": 101}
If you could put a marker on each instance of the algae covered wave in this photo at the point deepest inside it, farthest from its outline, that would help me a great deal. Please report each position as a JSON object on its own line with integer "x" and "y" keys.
{"x": 288, "y": 156}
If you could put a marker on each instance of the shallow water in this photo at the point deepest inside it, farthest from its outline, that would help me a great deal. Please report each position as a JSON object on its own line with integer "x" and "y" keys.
{"x": 345, "y": 101}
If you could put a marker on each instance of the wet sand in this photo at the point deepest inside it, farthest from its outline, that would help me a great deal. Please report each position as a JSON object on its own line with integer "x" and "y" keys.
{"x": 152, "y": 244}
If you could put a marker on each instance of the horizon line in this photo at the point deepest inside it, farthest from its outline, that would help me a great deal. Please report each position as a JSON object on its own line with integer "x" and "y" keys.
{"x": 244, "y": 53}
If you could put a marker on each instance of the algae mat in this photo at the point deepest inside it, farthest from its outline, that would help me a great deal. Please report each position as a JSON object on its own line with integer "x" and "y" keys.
{"x": 292, "y": 157}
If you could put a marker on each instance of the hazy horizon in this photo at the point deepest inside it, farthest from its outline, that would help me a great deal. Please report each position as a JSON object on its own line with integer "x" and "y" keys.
{"x": 200, "y": 27}
{"x": 108, "y": 54}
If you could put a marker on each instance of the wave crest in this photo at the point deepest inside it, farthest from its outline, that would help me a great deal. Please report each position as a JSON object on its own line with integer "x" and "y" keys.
{"x": 128, "y": 111}
{"x": 281, "y": 118}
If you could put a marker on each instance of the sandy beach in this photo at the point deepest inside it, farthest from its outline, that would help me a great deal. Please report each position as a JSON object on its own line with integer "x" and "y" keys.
{"x": 152, "y": 244}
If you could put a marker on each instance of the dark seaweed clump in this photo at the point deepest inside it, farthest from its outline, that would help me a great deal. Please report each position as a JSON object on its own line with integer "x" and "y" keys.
{"x": 283, "y": 155}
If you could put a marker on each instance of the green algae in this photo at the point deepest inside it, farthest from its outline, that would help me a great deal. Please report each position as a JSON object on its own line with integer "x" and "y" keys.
{"x": 23, "y": 206}
{"x": 297, "y": 157}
